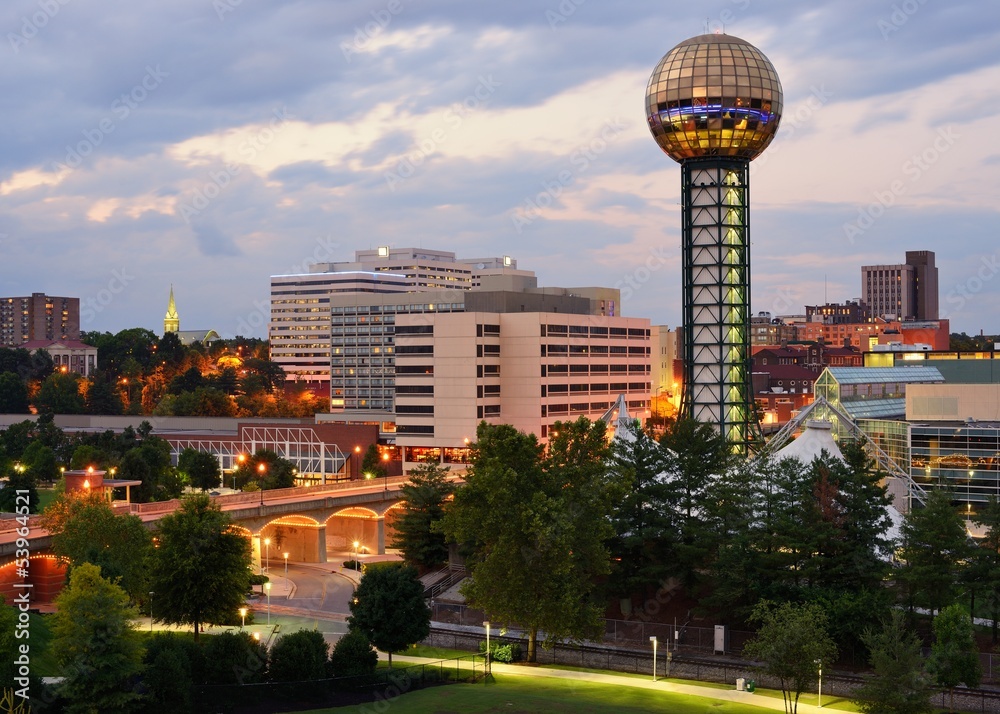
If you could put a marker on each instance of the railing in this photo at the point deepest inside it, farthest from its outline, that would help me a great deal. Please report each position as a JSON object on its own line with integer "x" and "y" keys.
{"x": 455, "y": 574}
{"x": 384, "y": 685}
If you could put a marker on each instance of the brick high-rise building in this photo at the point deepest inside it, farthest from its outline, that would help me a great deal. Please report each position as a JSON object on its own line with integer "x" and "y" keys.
{"x": 905, "y": 291}
{"x": 39, "y": 317}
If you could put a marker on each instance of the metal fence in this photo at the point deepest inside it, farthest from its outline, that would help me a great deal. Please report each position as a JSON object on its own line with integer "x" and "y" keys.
{"x": 384, "y": 685}
{"x": 686, "y": 638}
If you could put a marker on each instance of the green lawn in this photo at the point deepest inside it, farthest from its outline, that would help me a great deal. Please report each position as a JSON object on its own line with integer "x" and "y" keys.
{"x": 523, "y": 695}
{"x": 45, "y": 497}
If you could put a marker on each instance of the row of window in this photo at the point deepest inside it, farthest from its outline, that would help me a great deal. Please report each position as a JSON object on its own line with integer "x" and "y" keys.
{"x": 587, "y": 350}
{"x": 596, "y": 388}
{"x": 586, "y": 330}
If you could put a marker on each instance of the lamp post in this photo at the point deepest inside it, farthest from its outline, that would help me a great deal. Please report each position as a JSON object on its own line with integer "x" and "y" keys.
{"x": 486, "y": 624}
{"x": 385, "y": 472}
{"x": 819, "y": 690}
{"x": 286, "y": 568}
{"x": 357, "y": 462}
{"x": 261, "y": 469}
{"x": 267, "y": 586}
{"x": 653, "y": 640}
{"x": 357, "y": 565}
{"x": 267, "y": 555}
{"x": 240, "y": 459}
{"x": 150, "y": 610}
{"x": 243, "y": 615}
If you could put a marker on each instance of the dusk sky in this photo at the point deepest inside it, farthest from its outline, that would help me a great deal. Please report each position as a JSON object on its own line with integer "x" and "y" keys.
{"x": 213, "y": 143}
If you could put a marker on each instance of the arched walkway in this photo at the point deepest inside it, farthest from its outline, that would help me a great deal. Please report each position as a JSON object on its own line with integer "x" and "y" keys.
{"x": 46, "y": 574}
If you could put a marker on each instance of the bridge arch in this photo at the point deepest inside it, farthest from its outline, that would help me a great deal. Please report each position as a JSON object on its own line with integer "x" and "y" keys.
{"x": 45, "y": 572}
{"x": 354, "y": 524}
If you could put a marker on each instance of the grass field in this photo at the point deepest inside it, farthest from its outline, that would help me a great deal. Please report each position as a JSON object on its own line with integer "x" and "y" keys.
{"x": 524, "y": 695}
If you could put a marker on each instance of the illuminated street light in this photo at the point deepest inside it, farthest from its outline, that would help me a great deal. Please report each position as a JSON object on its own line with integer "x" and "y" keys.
{"x": 243, "y": 614}
{"x": 286, "y": 568}
{"x": 653, "y": 640}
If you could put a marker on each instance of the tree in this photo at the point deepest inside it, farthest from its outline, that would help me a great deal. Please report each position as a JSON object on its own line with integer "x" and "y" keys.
{"x": 60, "y": 394}
{"x": 423, "y": 505}
{"x": 149, "y": 462}
{"x": 389, "y": 608}
{"x": 697, "y": 454}
{"x": 791, "y": 640}
{"x": 642, "y": 520}
{"x": 86, "y": 529}
{"x": 201, "y": 468}
{"x": 536, "y": 528}
{"x": 299, "y": 656}
{"x": 13, "y": 394}
{"x": 201, "y": 569}
{"x": 169, "y": 674}
{"x": 371, "y": 464}
{"x": 898, "y": 685}
{"x": 19, "y": 479}
{"x": 954, "y": 657}
{"x": 934, "y": 544}
{"x": 353, "y": 655}
{"x": 41, "y": 461}
{"x": 102, "y": 395}
{"x": 986, "y": 560}
{"x": 10, "y": 653}
{"x": 95, "y": 643}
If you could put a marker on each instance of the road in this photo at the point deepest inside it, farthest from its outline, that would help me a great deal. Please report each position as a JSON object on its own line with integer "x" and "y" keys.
{"x": 316, "y": 589}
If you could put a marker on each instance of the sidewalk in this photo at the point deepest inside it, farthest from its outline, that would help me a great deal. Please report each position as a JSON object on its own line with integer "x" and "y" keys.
{"x": 727, "y": 695}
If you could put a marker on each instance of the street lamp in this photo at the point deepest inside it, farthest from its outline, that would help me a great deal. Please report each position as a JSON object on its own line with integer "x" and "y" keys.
{"x": 486, "y": 624}
{"x": 653, "y": 640}
{"x": 357, "y": 462}
{"x": 357, "y": 565}
{"x": 267, "y": 586}
{"x": 150, "y": 610}
{"x": 261, "y": 469}
{"x": 819, "y": 690}
{"x": 286, "y": 568}
{"x": 267, "y": 555}
{"x": 243, "y": 614}
{"x": 385, "y": 471}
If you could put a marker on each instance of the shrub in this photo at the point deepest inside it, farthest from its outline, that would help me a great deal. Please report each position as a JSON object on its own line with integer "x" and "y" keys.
{"x": 299, "y": 656}
{"x": 510, "y": 652}
{"x": 353, "y": 655}
{"x": 234, "y": 658}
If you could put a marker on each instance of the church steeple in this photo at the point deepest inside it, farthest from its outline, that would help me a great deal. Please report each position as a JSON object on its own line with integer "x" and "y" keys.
{"x": 171, "y": 323}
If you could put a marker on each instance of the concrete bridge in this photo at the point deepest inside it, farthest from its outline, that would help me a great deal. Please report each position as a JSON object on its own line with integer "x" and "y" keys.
{"x": 309, "y": 524}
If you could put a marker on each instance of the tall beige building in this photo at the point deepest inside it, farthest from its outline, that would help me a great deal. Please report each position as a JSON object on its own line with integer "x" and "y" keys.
{"x": 528, "y": 369}
{"x": 905, "y": 291}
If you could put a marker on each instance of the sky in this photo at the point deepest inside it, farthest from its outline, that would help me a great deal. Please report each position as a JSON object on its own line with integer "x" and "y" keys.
{"x": 209, "y": 144}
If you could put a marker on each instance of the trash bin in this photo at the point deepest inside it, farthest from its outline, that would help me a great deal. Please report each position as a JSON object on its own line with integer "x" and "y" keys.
{"x": 741, "y": 684}
{"x": 751, "y": 685}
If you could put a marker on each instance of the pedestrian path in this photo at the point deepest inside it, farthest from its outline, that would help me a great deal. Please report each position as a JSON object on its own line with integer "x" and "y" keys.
{"x": 728, "y": 695}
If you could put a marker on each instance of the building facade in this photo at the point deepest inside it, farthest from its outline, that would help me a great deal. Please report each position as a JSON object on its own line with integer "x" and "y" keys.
{"x": 300, "y": 324}
{"x": 67, "y": 355}
{"x": 38, "y": 317}
{"x": 527, "y": 369}
{"x": 906, "y": 291}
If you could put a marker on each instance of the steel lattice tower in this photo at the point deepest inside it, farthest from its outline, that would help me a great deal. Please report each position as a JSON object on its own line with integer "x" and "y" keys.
{"x": 713, "y": 104}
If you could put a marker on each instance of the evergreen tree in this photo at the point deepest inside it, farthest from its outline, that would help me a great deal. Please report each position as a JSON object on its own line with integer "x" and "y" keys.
{"x": 985, "y": 560}
{"x": 299, "y": 656}
{"x": 954, "y": 657}
{"x": 644, "y": 536}
{"x": 353, "y": 655}
{"x": 898, "y": 684}
{"x": 371, "y": 464}
{"x": 423, "y": 505}
{"x": 934, "y": 545}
